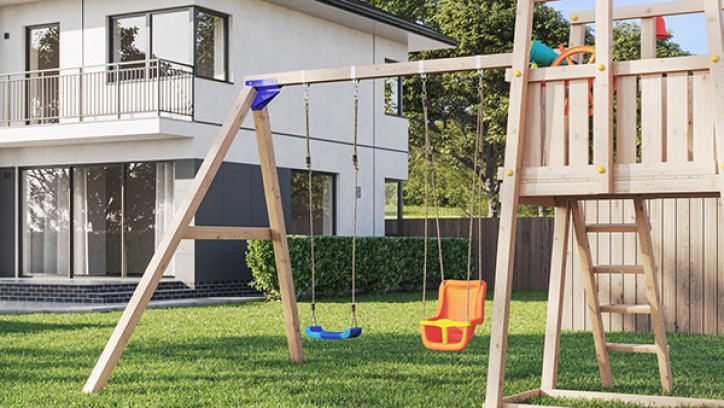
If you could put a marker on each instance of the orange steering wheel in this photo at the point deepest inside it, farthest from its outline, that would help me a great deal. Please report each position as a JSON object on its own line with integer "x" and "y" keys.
{"x": 566, "y": 55}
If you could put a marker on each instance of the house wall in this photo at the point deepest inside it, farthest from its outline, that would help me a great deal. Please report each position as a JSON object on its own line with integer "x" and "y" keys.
{"x": 263, "y": 38}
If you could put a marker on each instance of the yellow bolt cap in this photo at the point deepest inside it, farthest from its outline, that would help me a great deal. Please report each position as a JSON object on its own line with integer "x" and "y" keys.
{"x": 601, "y": 67}
{"x": 517, "y": 73}
{"x": 715, "y": 58}
{"x": 574, "y": 17}
{"x": 509, "y": 172}
{"x": 601, "y": 169}
{"x": 722, "y": 165}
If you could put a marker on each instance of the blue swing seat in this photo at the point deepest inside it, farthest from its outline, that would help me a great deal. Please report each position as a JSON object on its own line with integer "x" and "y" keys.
{"x": 316, "y": 332}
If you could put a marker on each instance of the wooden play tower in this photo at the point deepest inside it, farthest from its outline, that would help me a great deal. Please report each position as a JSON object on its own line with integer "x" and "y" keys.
{"x": 654, "y": 129}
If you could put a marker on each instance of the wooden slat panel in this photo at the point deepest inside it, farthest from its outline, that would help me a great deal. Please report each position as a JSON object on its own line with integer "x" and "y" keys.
{"x": 630, "y": 252}
{"x": 702, "y": 118}
{"x": 603, "y": 257}
{"x": 669, "y": 264}
{"x": 696, "y": 264}
{"x": 626, "y": 119}
{"x": 709, "y": 242}
{"x": 533, "y": 153}
{"x": 578, "y": 102}
{"x": 617, "y": 289}
{"x": 682, "y": 264}
{"x": 677, "y": 117}
{"x": 556, "y": 147}
{"x": 652, "y": 119}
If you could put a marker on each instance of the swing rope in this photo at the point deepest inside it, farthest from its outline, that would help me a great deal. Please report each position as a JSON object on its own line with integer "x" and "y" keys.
{"x": 355, "y": 162}
{"x": 429, "y": 169}
{"x": 313, "y": 317}
{"x": 476, "y": 178}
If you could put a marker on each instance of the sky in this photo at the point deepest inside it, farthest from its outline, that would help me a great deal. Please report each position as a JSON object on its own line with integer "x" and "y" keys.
{"x": 688, "y": 30}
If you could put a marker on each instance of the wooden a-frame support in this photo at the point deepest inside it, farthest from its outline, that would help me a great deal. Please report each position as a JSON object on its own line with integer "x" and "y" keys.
{"x": 180, "y": 229}
{"x": 565, "y": 209}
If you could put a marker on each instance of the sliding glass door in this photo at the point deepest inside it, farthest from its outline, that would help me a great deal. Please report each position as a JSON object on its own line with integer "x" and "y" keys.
{"x": 118, "y": 213}
{"x": 46, "y": 221}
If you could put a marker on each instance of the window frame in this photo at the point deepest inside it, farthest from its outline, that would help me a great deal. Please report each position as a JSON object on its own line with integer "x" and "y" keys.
{"x": 149, "y": 41}
{"x": 333, "y": 194}
{"x": 400, "y": 111}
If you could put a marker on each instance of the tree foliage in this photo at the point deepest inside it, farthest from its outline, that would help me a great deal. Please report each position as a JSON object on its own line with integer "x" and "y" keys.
{"x": 481, "y": 27}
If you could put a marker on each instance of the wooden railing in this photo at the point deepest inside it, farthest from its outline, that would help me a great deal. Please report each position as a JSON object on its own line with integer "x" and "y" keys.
{"x": 104, "y": 91}
{"x": 663, "y": 134}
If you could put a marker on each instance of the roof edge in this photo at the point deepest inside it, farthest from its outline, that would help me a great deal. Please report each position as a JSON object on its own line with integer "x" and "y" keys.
{"x": 368, "y": 11}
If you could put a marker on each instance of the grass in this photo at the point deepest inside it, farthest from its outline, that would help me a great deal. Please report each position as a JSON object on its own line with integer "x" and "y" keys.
{"x": 236, "y": 355}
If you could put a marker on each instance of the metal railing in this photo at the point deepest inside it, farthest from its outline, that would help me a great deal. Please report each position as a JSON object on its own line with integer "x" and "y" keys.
{"x": 111, "y": 91}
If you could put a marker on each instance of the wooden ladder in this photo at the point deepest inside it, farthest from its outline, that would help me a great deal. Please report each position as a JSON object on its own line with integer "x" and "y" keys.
{"x": 653, "y": 306}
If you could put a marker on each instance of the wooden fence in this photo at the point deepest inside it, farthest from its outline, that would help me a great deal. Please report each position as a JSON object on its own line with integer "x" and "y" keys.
{"x": 689, "y": 267}
{"x": 532, "y": 252}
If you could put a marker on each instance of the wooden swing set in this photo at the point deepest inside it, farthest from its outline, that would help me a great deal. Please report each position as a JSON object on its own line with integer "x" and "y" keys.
{"x": 548, "y": 161}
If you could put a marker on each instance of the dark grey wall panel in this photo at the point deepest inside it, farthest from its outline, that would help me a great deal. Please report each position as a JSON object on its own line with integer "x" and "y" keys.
{"x": 8, "y": 201}
{"x": 235, "y": 199}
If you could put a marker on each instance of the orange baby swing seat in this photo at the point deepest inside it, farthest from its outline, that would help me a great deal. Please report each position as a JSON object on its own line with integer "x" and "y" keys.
{"x": 449, "y": 329}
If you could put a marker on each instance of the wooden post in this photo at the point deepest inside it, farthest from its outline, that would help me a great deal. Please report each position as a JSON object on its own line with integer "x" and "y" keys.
{"x": 589, "y": 281}
{"x": 556, "y": 291}
{"x": 652, "y": 292}
{"x": 272, "y": 192}
{"x": 169, "y": 243}
{"x": 603, "y": 96}
{"x": 509, "y": 199}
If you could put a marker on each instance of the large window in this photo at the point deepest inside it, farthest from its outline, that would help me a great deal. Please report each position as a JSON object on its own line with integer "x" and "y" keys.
{"x": 192, "y": 36}
{"x": 43, "y": 58}
{"x": 109, "y": 217}
{"x": 323, "y": 207}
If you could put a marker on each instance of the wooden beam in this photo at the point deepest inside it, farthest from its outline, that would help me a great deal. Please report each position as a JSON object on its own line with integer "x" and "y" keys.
{"x": 623, "y": 269}
{"x": 227, "y": 233}
{"x": 658, "y": 325}
{"x": 674, "y": 8}
{"x": 363, "y": 72}
{"x": 169, "y": 243}
{"x": 273, "y": 195}
{"x": 556, "y": 291}
{"x": 603, "y": 97}
{"x": 509, "y": 199}
{"x": 587, "y": 270}
{"x": 632, "y": 348}
{"x": 647, "y": 66}
{"x": 646, "y": 400}
{"x": 625, "y": 308}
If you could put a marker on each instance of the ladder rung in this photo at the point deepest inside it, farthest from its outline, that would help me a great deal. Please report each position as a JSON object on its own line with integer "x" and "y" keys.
{"x": 611, "y": 228}
{"x": 635, "y": 269}
{"x": 632, "y": 348}
{"x": 623, "y": 308}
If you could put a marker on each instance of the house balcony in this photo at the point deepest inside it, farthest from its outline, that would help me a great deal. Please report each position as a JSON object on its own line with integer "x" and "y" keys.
{"x": 82, "y": 100}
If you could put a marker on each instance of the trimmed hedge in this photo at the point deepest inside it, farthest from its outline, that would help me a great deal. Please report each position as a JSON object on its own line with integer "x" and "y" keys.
{"x": 383, "y": 263}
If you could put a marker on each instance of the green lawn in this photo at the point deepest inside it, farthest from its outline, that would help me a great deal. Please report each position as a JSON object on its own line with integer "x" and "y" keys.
{"x": 236, "y": 355}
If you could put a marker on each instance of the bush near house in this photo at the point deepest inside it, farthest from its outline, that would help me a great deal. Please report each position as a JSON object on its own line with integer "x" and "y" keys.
{"x": 383, "y": 263}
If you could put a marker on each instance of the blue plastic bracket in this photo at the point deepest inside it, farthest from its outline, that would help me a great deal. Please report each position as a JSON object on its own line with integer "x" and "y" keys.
{"x": 266, "y": 90}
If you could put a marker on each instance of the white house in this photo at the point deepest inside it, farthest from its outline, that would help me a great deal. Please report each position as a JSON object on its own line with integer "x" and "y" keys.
{"x": 108, "y": 107}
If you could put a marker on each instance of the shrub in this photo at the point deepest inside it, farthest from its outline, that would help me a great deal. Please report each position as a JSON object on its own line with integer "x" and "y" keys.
{"x": 383, "y": 263}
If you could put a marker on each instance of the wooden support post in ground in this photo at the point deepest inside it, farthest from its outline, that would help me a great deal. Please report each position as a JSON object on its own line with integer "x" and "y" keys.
{"x": 272, "y": 192}
{"x": 556, "y": 290}
{"x": 509, "y": 199}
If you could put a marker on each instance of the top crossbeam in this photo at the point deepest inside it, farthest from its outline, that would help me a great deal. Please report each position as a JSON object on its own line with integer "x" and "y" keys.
{"x": 674, "y": 8}
{"x": 365, "y": 72}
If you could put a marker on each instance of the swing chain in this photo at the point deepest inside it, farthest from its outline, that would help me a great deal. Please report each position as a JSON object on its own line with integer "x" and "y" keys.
{"x": 313, "y": 316}
{"x": 355, "y": 162}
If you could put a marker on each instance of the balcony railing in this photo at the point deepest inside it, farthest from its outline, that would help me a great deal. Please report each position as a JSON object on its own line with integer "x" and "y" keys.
{"x": 112, "y": 91}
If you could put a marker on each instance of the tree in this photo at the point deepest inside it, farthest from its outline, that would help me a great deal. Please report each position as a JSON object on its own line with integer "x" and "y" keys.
{"x": 482, "y": 27}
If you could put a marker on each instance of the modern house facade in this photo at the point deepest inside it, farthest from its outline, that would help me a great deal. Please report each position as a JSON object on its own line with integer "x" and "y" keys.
{"x": 107, "y": 108}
